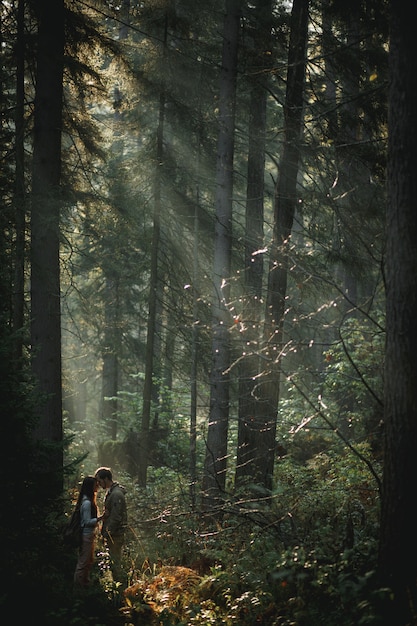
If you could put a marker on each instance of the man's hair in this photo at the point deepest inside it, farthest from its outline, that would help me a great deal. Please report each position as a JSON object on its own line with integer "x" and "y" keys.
{"x": 103, "y": 473}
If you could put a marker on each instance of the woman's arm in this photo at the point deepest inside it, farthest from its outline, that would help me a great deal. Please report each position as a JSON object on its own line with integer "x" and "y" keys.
{"x": 86, "y": 519}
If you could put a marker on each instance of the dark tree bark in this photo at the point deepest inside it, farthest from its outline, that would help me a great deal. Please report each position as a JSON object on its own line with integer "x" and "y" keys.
{"x": 284, "y": 209}
{"x": 20, "y": 190}
{"x": 351, "y": 179}
{"x": 398, "y": 539}
{"x": 194, "y": 357}
{"x": 254, "y": 267}
{"x": 45, "y": 219}
{"x": 214, "y": 478}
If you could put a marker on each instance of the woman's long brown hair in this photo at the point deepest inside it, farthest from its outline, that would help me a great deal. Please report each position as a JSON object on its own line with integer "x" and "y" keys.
{"x": 88, "y": 489}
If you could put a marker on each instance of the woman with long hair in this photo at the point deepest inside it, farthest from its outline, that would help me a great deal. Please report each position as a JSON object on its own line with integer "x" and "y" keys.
{"x": 87, "y": 502}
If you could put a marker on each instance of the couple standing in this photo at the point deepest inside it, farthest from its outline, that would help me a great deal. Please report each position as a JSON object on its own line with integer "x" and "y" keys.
{"x": 114, "y": 524}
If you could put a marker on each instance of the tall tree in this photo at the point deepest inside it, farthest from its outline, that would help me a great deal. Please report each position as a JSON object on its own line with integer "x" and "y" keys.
{"x": 20, "y": 195}
{"x": 152, "y": 318}
{"x": 111, "y": 339}
{"x": 259, "y": 64}
{"x": 350, "y": 191}
{"x": 398, "y": 540}
{"x": 111, "y": 300}
{"x": 45, "y": 220}
{"x": 285, "y": 200}
{"x": 214, "y": 478}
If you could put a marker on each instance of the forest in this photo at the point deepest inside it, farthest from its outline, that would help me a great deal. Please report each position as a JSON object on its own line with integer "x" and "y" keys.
{"x": 208, "y": 246}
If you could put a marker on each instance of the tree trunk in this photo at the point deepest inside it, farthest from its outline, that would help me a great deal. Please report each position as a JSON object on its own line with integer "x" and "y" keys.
{"x": 45, "y": 222}
{"x": 112, "y": 277}
{"x": 194, "y": 354}
{"x": 398, "y": 539}
{"x": 254, "y": 267}
{"x": 150, "y": 338}
{"x": 20, "y": 190}
{"x": 214, "y": 478}
{"x": 350, "y": 172}
{"x": 284, "y": 209}
{"x": 110, "y": 375}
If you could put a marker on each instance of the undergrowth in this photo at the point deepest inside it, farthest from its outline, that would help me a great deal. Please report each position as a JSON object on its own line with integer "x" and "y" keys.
{"x": 304, "y": 555}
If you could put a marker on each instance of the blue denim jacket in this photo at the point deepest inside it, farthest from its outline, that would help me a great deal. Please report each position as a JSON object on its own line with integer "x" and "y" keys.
{"x": 88, "y": 523}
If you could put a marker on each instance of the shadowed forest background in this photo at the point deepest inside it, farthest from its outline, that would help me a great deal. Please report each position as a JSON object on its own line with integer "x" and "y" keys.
{"x": 208, "y": 283}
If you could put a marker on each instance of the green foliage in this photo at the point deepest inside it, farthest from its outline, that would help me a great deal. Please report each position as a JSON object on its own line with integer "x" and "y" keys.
{"x": 304, "y": 556}
{"x": 345, "y": 404}
{"x": 109, "y": 453}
